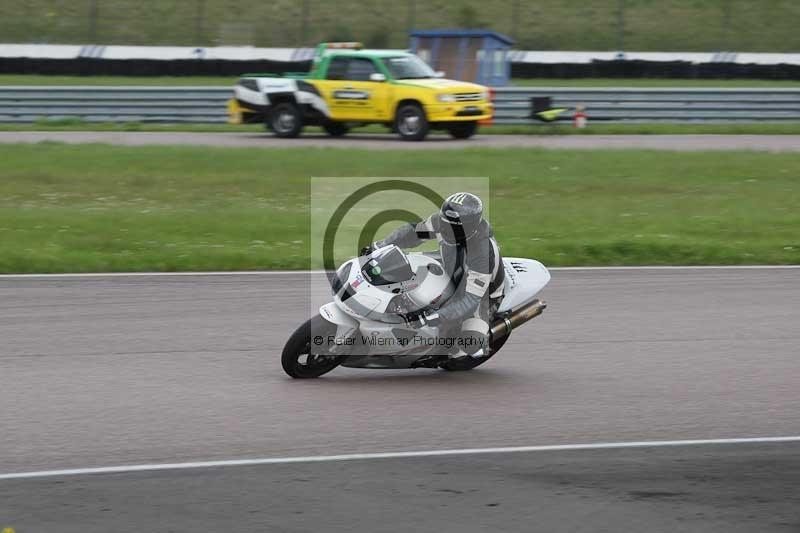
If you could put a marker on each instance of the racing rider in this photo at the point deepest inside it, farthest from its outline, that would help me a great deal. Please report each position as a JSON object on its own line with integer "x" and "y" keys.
{"x": 470, "y": 256}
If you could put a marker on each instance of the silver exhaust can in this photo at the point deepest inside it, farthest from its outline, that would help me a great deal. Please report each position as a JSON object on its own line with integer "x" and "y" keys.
{"x": 516, "y": 317}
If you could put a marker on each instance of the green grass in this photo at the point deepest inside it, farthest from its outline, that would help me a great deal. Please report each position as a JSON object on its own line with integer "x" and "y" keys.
{"x": 36, "y": 79}
{"x": 595, "y": 128}
{"x": 691, "y": 25}
{"x": 109, "y": 208}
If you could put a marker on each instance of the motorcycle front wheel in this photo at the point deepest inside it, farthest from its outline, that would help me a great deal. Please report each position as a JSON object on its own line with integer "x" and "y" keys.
{"x": 297, "y": 358}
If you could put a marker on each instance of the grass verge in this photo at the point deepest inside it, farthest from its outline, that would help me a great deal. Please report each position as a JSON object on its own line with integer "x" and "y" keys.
{"x": 645, "y": 25}
{"x": 97, "y": 208}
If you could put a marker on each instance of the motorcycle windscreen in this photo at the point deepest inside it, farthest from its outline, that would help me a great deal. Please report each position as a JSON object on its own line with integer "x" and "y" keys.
{"x": 387, "y": 267}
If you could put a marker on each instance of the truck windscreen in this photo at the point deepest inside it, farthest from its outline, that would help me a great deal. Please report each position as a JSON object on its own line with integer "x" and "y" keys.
{"x": 408, "y": 68}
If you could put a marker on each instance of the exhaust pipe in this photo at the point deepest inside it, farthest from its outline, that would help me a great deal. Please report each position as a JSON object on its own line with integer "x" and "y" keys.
{"x": 503, "y": 326}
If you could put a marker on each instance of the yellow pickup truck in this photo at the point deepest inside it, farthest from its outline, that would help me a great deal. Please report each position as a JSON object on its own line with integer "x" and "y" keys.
{"x": 348, "y": 87}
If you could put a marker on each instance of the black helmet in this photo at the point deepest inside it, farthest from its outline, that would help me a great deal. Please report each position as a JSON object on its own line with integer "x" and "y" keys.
{"x": 461, "y": 216}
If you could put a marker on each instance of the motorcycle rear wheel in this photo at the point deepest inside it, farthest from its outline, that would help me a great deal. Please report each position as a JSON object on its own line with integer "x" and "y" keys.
{"x": 297, "y": 360}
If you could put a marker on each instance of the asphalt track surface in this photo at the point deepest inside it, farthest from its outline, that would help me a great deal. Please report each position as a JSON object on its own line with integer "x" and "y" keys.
{"x": 133, "y": 370}
{"x": 773, "y": 143}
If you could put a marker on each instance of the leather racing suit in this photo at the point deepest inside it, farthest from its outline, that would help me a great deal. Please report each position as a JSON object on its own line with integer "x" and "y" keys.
{"x": 476, "y": 268}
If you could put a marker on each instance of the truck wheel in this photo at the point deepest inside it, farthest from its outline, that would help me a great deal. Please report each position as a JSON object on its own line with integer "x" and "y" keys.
{"x": 285, "y": 120}
{"x": 411, "y": 123}
{"x": 336, "y": 129}
{"x": 462, "y": 130}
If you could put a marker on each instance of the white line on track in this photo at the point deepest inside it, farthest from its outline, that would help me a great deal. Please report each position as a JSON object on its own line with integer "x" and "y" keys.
{"x": 388, "y": 455}
{"x": 297, "y": 272}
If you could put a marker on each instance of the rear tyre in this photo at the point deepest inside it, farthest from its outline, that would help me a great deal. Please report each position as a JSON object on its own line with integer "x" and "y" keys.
{"x": 468, "y": 363}
{"x": 411, "y": 123}
{"x": 335, "y": 129}
{"x": 285, "y": 120}
{"x": 297, "y": 359}
{"x": 462, "y": 130}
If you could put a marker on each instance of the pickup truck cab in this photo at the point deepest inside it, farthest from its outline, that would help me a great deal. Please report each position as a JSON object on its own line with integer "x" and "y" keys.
{"x": 349, "y": 87}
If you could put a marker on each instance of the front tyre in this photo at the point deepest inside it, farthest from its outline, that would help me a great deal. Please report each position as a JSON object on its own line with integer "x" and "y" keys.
{"x": 462, "y": 130}
{"x": 297, "y": 359}
{"x": 411, "y": 123}
{"x": 285, "y": 120}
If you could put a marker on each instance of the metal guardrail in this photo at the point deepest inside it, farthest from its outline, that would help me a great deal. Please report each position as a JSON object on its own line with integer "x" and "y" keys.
{"x": 204, "y": 105}
{"x": 617, "y": 104}
{"x": 26, "y": 104}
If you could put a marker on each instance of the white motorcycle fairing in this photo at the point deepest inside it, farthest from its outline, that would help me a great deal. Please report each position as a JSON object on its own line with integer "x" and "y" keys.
{"x": 369, "y": 309}
{"x": 524, "y": 279}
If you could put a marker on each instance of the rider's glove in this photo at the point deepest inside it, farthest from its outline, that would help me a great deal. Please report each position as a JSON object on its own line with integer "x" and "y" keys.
{"x": 431, "y": 318}
{"x": 422, "y": 318}
{"x": 413, "y": 320}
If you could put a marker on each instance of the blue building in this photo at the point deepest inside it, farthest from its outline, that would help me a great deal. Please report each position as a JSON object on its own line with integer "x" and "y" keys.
{"x": 470, "y": 55}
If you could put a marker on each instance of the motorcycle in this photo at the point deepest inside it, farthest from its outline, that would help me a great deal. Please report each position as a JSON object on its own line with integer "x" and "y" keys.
{"x": 367, "y": 324}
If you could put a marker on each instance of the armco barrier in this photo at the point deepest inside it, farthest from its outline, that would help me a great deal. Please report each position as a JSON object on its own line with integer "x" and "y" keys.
{"x": 654, "y": 105}
{"x": 24, "y": 104}
{"x": 633, "y": 68}
{"x": 114, "y": 104}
